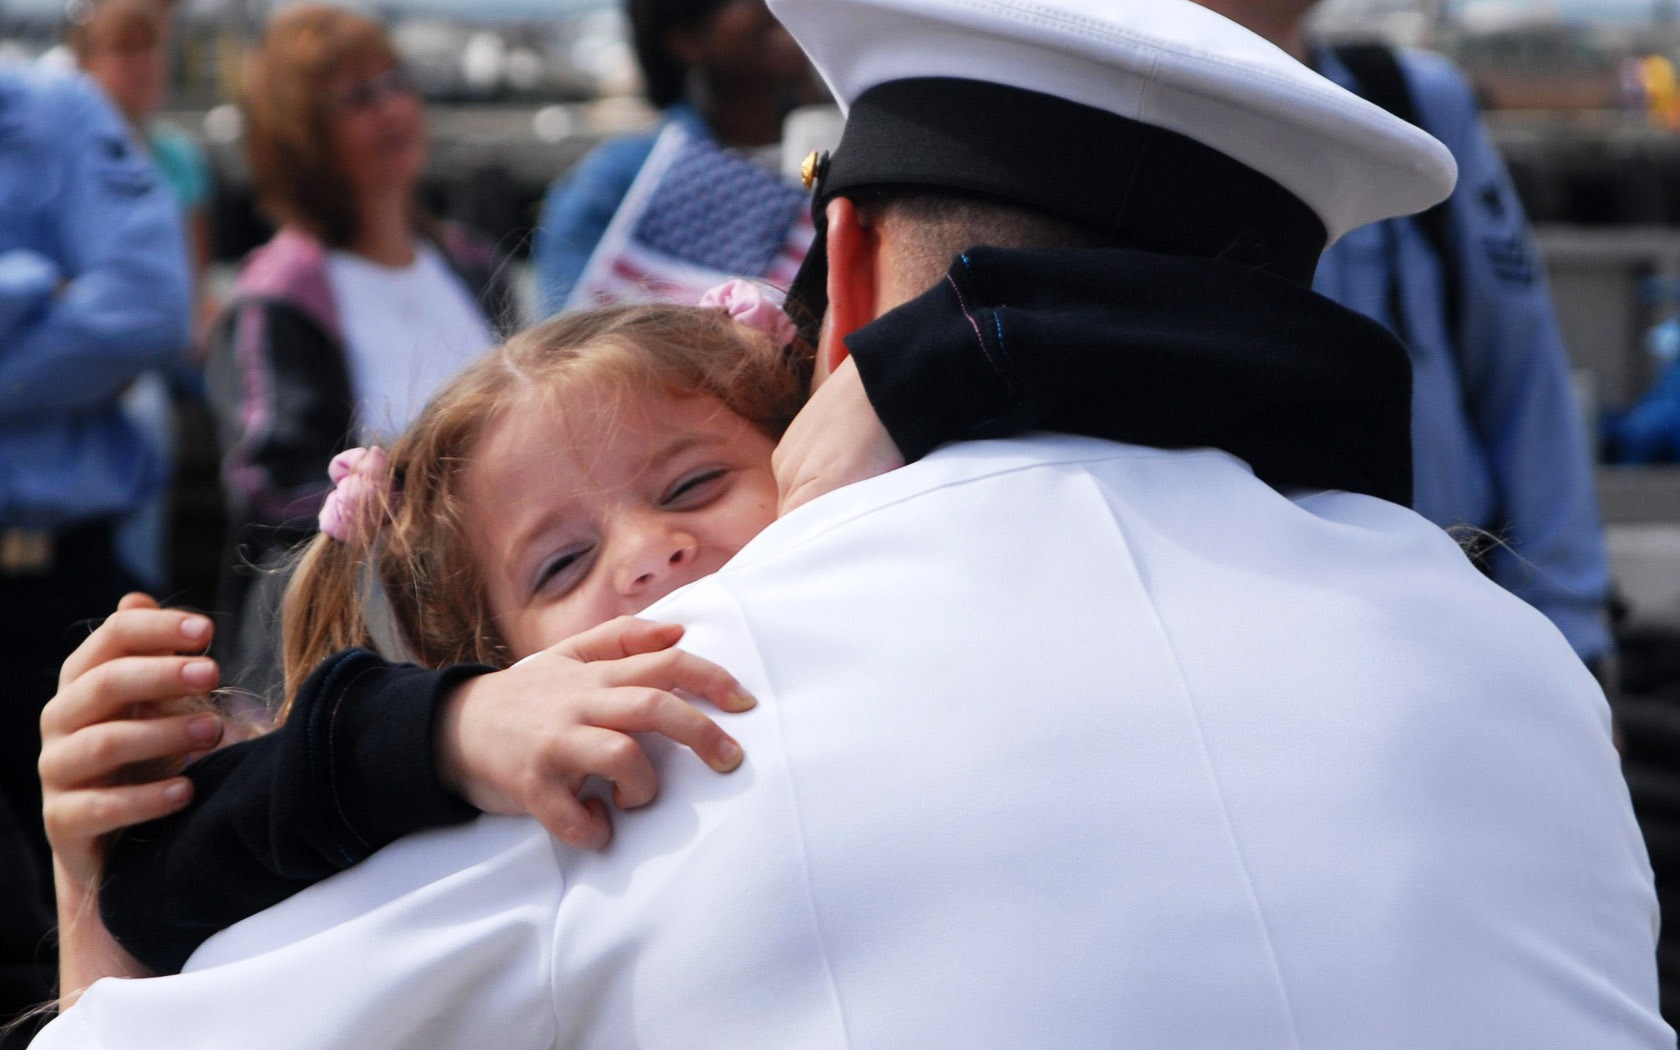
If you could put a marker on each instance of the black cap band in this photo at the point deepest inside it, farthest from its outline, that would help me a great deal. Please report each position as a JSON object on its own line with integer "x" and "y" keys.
{"x": 1148, "y": 187}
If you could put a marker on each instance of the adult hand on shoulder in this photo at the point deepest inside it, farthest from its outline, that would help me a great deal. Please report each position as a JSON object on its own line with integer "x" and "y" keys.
{"x": 113, "y": 721}
{"x": 524, "y": 740}
{"x": 835, "y": 440}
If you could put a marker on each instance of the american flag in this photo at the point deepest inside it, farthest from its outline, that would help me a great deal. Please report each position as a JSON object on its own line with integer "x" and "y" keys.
{"x": 696, "y": 215}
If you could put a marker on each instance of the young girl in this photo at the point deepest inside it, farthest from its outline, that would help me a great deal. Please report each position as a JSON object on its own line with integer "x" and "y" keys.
{"x": 567, "y": 480}
{"x": 579, "y": 473}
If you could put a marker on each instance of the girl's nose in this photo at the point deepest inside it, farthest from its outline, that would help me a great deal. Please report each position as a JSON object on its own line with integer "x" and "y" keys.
{"x": 656, "y": 561}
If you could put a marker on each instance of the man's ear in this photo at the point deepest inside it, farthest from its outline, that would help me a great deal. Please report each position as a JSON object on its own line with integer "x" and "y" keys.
{"x": 852, "y": 281}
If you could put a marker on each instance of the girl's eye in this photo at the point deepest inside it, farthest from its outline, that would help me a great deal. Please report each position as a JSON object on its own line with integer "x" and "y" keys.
{"x": 693, "y": 490}
{"x": 564, "y": 570}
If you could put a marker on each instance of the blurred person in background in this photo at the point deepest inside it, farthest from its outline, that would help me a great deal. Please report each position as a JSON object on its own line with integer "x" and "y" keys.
{"x": 339, "y": 328}
{"x": 123, "y": 46}
{"x": 94, "y": 291}
{"x": 669, "y": 213}
{"x": 1497, "y": 433}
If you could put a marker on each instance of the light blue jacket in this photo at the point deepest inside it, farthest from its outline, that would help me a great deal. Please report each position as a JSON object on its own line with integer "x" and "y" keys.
{"x": 581, "y": 203}
{"x": 1497, "y": 437}
{"x": 94, "y": 290}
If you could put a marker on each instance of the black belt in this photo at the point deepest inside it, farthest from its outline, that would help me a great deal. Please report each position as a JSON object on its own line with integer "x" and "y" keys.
{"x": 26, "y": 552}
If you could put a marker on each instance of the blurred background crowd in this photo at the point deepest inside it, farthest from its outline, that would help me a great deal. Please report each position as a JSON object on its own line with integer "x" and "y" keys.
{"x": 1581, "y": 98}
{"x": 500, "y": 102}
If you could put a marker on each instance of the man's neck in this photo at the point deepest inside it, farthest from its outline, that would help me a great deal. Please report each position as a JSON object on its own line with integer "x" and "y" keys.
{"x": 1284, "y": 24}
{"x": 1293, "y": 40}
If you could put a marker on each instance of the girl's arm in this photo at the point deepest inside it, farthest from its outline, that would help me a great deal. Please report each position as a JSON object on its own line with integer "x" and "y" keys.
{"x": 349, "y": 772}
{"x": 373, "y": 751}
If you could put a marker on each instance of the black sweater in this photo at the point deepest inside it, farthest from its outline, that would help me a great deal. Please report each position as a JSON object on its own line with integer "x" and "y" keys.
{"x": 1124, "y": 345}
{"x": 350, "y": 771}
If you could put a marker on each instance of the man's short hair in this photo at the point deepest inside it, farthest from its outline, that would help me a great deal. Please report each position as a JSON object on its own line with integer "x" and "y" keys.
{"x": 930, "y": 227}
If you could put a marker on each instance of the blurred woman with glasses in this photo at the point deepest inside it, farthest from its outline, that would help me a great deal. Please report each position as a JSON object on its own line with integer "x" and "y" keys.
{"x": 340, "y": 327}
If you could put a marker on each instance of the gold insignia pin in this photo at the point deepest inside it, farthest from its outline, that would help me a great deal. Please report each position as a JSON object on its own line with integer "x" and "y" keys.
{"x": 811, "y": 170}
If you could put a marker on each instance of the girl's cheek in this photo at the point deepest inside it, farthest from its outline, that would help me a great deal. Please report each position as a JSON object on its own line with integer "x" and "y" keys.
{"x": 562, "y": 621}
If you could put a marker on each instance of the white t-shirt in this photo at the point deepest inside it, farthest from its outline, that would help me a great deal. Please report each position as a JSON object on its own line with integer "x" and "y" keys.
{"x": 1059, "y": 743}
{"x": 407, "y": 330}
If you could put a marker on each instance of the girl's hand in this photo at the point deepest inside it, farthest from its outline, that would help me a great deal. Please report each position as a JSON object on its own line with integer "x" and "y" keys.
{"x": 524, "y": 740}
{"x": 95, "y": 735}
{"x": 835, "y": 439}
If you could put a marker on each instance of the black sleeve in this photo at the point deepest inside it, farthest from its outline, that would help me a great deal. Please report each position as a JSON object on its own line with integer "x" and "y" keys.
{"x": 1146, "y": 349}
{"x": 349, "y": 772}
{"x": 934, "y": 375}
{"x": 940, "y": 368}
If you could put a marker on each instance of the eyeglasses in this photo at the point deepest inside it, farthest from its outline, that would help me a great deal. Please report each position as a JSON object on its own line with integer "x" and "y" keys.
{"x": 368, "y": 92}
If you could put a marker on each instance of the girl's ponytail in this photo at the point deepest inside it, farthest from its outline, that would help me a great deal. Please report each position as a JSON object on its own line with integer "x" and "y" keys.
{"x": 322, "y": 611}
{"x": 325, "y": 607}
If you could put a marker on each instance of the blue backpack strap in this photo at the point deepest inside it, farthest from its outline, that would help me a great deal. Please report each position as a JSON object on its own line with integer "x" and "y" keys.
{"x": 1376, "y": 69}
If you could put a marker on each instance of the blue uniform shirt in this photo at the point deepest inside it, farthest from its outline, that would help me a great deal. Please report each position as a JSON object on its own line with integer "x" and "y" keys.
{"x": 1497, "y": 437}
{"x": 94, "y": 290}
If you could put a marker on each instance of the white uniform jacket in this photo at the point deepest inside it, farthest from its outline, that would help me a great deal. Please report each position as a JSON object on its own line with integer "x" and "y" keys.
{"x": 1061, "y": 743}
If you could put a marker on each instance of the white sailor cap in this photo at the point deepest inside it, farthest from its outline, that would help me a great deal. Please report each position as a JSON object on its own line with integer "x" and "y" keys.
{"x": 1158, "y": 121}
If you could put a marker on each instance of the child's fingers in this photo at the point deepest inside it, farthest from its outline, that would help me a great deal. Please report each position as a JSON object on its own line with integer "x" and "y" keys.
{"x": 137, "y": 600}
{"x": 110, "y": 688}
{"x": 577, "y": 823}
{"x": 83, "y": 815}
{"x": 95, "y": 752}
{"x": 672, "y": 669}
{"x": 137, "y": 631}
{"x": 621, "y": 637}
{"x": 616, "y": 758}
{"x": 641, "y": 710}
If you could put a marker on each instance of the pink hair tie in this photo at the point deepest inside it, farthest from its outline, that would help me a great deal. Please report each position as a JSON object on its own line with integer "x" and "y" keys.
{"x": 361, "y": 489}
{"x": 747, "y": 304}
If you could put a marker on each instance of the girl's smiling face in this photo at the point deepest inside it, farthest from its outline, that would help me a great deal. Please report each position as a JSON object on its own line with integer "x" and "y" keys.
{"x": 582, "y": 514}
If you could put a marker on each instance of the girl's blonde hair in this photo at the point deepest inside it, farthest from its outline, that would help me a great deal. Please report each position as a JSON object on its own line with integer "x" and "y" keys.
{"x": 419, "y": 563}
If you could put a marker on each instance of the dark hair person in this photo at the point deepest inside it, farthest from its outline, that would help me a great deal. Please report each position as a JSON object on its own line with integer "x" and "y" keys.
{"x": 725, "y": 71}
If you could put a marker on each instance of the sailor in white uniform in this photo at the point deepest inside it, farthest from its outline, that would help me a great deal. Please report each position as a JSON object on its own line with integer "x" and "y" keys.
{"x": 1061, "y": 741}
